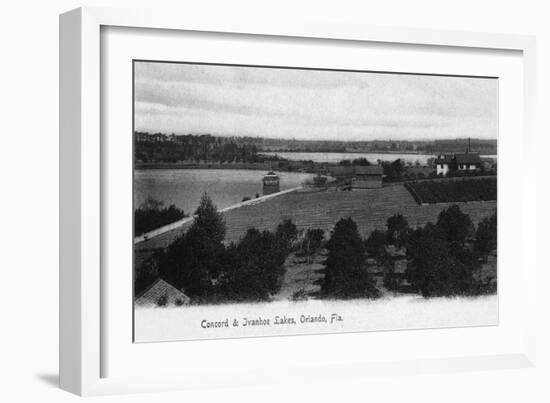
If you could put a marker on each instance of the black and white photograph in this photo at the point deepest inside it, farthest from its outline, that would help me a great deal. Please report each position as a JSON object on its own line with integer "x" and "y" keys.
{"x": 276, "y": 200}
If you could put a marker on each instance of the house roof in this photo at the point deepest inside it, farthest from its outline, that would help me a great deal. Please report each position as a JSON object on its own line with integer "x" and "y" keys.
{"x": 158, "y": 289}
{"x": 368, "y": 170}
{"x": 444, "y": 159}
{"x": 270, "y": 176}
{"x": 468, "y": 158}
{"x": 342, "y": 170}
{"x": 460, "y": 158}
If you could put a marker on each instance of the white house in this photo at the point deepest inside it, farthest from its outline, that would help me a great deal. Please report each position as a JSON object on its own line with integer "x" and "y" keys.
{"x": 457, "y": 162}
{"x": 443, "y": 164}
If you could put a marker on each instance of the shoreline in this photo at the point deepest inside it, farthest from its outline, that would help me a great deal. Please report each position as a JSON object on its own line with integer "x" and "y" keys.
{"x": 175, "y": 225}
{"x": 308, "y": 166}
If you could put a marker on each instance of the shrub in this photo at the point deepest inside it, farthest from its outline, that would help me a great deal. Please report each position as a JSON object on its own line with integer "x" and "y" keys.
{"x": 300, "y": 295}
{"x": 152, "y": 214}
{"x": 162, "y": 300}
{"x": 312, "y": 241}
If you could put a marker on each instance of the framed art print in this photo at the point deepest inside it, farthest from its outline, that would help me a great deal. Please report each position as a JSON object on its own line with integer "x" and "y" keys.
{"x": 289, "y": 198}
{"x": 273, "y": 200}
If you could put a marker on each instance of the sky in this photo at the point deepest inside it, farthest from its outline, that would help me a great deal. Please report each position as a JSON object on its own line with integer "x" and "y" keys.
{"x": 311, "y": 104}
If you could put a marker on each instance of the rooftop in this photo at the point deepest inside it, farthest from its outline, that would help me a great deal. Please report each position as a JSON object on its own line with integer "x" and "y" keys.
{"x": 460, "y": 158}
{"x": 468, "y": 158}
{"x": 368, "y": 170}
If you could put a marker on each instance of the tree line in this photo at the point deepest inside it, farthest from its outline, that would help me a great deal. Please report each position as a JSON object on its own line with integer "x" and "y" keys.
{"x": 152, "y": 214}
{"x": 196, "y": 148}
{"x": 208, "y": 271}
{"x": 442, "y": 258}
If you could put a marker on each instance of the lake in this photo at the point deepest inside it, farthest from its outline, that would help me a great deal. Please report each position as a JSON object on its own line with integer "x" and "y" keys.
{"x": 184, "y": 187}
{"x": 336, "y": 157}
{"x": 372, "y": 157}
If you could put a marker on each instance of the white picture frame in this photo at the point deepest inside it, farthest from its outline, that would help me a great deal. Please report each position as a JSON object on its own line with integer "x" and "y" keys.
{"x": 82, "y": 343}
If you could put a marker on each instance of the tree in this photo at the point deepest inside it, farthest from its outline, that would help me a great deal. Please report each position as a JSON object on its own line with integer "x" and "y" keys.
{"x": 312, "y": 241}
{"x": 454, "y": 225}
{"x": 208, "y": 220}
{"x": 486, "y": 236}
{"x": 254, "y": 268}
{"x": 397, "y": 230}
{"x": 346, "y": 275}
{"x": 362, "y": 161}
{"x": 287, "y": 233}
{"x": 376, "y": 248}
{"x": 393, "y": 170}
{"x": 376, "y": 244}
{"x": 196, "y": 257}
{"x": 437, "y": 267}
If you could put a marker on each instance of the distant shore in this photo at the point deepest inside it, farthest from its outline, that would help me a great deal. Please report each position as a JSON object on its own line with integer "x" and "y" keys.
{"x": 412, "y": 152}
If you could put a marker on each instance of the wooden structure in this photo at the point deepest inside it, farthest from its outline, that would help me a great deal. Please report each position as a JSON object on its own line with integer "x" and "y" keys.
{"x": 270, "y": 183}
{"x": 367, "y": 177}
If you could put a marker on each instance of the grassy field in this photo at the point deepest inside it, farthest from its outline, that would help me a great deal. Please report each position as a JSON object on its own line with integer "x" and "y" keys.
{"x": 322, "y": 209}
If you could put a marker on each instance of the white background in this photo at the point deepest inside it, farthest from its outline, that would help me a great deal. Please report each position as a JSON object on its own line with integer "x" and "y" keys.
{"x": 28, "y": 206}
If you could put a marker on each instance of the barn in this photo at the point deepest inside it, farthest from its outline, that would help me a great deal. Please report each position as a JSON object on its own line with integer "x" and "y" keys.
{"x": 342, "y": 171}
{"x": 367, "y": 177}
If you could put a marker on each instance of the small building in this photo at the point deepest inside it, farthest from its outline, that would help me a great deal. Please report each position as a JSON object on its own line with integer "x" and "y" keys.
{"x": 464, "y": 162}
{"x": 367, "y": 177}
{"x": 270, "y": 183}
{"x": 160, "y": 293}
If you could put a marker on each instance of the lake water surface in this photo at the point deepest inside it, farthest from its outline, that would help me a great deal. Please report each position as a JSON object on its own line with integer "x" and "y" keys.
{"x": 184, "y": 187}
